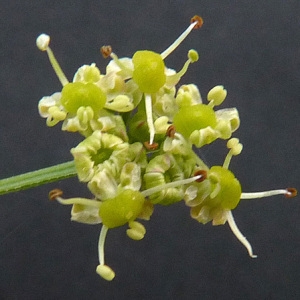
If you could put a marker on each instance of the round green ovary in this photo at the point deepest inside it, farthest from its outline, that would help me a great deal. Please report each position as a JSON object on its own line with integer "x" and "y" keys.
{"x": 230, "y": 193}
{"x": 195, "y": 117}
{"x": 149, "y": 71}
{"x": 78, "y": 94}
{"x": 123, "y": 208}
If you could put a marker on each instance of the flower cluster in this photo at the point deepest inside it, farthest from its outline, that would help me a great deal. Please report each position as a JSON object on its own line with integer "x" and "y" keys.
{"x": 141, "y": 131}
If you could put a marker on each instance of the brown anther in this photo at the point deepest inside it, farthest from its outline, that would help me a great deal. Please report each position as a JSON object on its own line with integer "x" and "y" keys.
{"x": 199, "y": 21}
{"x": 149, "y": 146}
{"x": 171, "y": 131}
{"x": 201, "y": 173}
{"x": 291, "y": 192}
{"x": 106, "y": 51}
{"x": 55, "y": 193}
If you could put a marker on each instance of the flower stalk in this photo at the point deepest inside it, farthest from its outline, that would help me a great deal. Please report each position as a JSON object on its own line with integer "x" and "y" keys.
{"x": 36, "y": 178}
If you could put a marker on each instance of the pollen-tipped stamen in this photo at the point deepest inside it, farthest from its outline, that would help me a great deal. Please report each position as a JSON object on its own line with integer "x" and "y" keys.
{"x": 192, "y": 57}
{"x": 291, "y": 192}
{"x": 238, "y": 234}
{"x": 202, "y": 175}
{"x": 235, "y": 149}
{"x": 57, "y": 193}
{"x": 42, "y": 43}
{"x": 288, "y": 192}
{"x": 101, "y": 243}
{"x": 106, "y": 51}
{"x": 180, "y": 39}
{"x": 102, "y": 269}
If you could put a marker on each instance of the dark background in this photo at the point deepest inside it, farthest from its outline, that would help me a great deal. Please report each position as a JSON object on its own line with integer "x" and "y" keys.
{"x": 251, "y": 47}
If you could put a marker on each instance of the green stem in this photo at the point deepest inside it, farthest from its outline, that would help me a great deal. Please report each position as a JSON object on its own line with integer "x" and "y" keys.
{"x": 36, "y": 178}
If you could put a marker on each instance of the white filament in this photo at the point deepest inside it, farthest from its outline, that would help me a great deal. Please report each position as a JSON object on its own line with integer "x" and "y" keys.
{"x": 161, "y": 187}
{"x": 263, "y": 194}
{"x": 101, "y": 243}
{"x": 42, "y": 43}
{"x": 81, "y": 201}
{"x": 238, "y": 234}
{"x": 178, "y": 41}
{"x": 148, "y": 103}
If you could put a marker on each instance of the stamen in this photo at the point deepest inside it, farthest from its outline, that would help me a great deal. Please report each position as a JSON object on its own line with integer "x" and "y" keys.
{"x": 106, "y": 51}
{"x": 148, "y": 103}
{"x": 288, "y": 192}
{"x": 103, "y": 270}
{"x": 201, "y": 173}
{"x": 184, "y": 68}
{"x": 238, "y": 234}
{"x": 101, "y": 243}
{"x": 196, "y": 23}
{"x": 42, "y": 43}
{"x": 55, "y": 116}
{"x": 136, "y": 230}
{"x": 57, "y": 193}
{"x": 192, "y": 57}
{"x": 291, "y": 192}
{"x": 216, "y": 95}
{"x": 173, "y": 184}
{"x": 235, "y": 149}
{"x": 171, "y": 131}
{"x": 227, "y": 160}
{"x": 149, "y": 146}
{"x": 199, "y": 21}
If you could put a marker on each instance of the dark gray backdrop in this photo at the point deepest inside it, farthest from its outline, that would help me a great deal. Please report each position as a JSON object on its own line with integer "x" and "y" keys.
{"x": 252, "y": 47}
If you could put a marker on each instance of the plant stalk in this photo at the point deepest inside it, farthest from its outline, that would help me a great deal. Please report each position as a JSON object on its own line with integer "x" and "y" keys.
{"x": 38, "y": 177}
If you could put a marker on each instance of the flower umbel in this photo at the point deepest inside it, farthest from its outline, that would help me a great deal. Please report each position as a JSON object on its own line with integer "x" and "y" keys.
{"x": 141, "y": 131}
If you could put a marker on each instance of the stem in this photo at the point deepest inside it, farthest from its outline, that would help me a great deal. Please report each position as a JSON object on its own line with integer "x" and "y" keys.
{"x": 36, "y": 178}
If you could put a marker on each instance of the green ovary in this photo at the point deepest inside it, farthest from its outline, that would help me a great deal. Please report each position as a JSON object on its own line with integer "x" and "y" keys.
{"x": 230, "y": 192}
{"x": 195, "y": 117}
{"x": 149, "y": 71}
{"x": 123, "y": 208}
{"x": 77, "y": 94}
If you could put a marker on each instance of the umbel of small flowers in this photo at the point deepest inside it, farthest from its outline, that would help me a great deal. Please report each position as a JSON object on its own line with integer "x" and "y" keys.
{"x": 140, "y": 130}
